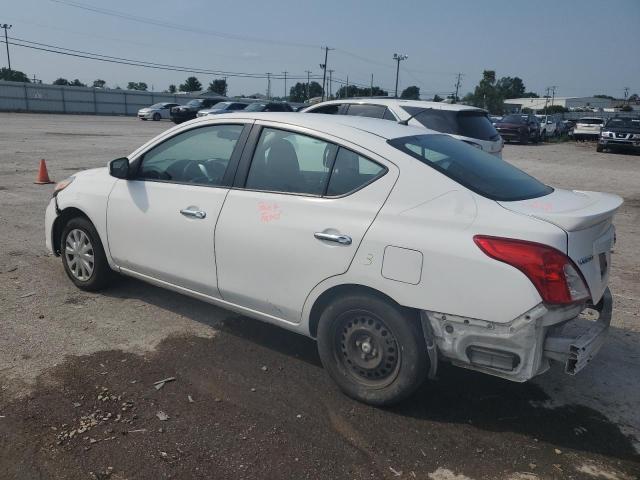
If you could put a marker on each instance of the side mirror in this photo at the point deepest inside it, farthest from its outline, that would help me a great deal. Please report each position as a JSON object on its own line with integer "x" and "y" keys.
{"x": 119, "y": 168}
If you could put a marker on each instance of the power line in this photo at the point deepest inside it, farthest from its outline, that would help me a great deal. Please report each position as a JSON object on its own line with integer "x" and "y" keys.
{"x": 176, "y": 26}
{"x": 140, "y": 63}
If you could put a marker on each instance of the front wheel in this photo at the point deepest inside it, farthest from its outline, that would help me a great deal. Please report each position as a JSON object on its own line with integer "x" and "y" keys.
{"x": 156, "y": 117}
{"x": 372, "y": 348}
{"x": 83, "y": 256}
{"x": 599, "y": 147}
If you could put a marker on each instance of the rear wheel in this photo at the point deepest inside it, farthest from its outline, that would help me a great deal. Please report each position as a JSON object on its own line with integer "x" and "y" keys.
{"x": 599, "y": 147}
{"x": 156, "y": 116}
{"x": 373, "y": 349}
{"x": 83, "y": 256}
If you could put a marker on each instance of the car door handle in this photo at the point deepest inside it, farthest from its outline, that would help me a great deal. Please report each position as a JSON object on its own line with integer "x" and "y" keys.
{"x": 193, "y": 212}
{"x": 331, "y": 237}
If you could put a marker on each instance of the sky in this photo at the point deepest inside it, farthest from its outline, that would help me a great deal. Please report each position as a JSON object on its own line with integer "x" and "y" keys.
{"x": 583, "y": 47}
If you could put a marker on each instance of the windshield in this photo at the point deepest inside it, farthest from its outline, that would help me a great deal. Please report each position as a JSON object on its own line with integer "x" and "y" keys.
{"x": 480, "y": 172}
{"x": 624, "y": 123}
{"x": 256, "y": 107}
{"x": 473, "y": 124}
{"x": 194, "y": 103}
{"x": 157, "y": 105}
{"x": 514, "y": 119}
{"x": 221, "y": 106}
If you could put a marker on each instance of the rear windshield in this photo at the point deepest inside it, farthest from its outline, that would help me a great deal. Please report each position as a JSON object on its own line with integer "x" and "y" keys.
{"x": 481, "y": 172}
{"x": 471, "y": 124}
{"x": 591, "y": 121}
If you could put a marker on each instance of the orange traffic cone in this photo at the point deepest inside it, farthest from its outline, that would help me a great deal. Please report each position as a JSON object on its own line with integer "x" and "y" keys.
{"x": 43, "y": 175}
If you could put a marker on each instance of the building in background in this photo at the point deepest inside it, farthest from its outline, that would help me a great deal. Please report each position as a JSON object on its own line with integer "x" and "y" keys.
{"x": 512, "y": 105}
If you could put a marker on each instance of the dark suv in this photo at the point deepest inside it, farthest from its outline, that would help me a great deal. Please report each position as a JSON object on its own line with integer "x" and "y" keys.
{"x": 519, "y": 127}
{"x": 189, "y": 111}
{"x": 620, "y": 134}
{"x": 269, "y": 107}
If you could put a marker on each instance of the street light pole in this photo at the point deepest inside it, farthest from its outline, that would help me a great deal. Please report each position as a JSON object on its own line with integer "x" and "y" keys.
{"x": 398, "y": 57}
{"x": 308, "y": 79}
{"x": 6, "y": 42}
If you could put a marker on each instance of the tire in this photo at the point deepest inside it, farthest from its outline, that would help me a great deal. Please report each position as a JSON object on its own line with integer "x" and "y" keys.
{"x": 543, "y": 136}
{"x": 387, "y": 375}
{"x": 156, "y": 117}
{"x": 143, "y": 119}
{"x": 78, "y": 234}
{"x": 599, "y": 148}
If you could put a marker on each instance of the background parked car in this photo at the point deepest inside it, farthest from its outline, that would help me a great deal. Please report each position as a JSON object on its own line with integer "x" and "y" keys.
{"x": 156, "y": 111}
{"x": 548, "y": 126}
{"x": 189, "y": 111}
{"x": 620, "y": 134}
{"x": 519, "y": 127}
{"x": 494, "y": 119}
{"x": 469, "y": 124}
{"x": 222, "y": 107}
{"x": 588, "y": 128}
{"x": 269, "y": 107}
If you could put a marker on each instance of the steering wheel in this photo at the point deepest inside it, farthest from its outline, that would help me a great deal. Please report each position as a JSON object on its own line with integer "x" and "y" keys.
{"x": 195, "y": 172}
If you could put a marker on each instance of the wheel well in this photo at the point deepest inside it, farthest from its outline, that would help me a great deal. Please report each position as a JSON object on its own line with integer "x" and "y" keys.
{"x": 59, "y": 223}
{"x": 328, "y": 296}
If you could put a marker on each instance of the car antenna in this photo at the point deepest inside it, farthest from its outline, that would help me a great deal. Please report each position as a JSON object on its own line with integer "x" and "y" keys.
{"x": 406, "y": 120}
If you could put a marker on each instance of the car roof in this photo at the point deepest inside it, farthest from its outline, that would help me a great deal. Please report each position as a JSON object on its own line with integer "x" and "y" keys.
{"x": 399, "y": 102}
{"x": 332, "y": 124}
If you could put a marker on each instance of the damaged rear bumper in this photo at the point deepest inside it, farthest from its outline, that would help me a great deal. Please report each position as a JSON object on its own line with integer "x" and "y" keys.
{"x": 521, "y": 349}
{"x": 577, "y": 350}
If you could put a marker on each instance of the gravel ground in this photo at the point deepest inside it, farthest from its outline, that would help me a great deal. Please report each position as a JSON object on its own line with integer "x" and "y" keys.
{"x": 250, "y": 400}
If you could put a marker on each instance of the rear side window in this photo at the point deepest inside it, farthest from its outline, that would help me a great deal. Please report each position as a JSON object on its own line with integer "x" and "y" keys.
{"x": 471, "y": 124}
{"x": 351, "y": 172}
{"x": 480, "y": 172}
{"x": 328, "y": 109}
{"x": 290, "y": 162}
{"x": 361, "y": 110}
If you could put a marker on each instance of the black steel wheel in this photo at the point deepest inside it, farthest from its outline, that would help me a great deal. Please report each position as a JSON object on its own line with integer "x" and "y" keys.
{"x": 372, "y": 348}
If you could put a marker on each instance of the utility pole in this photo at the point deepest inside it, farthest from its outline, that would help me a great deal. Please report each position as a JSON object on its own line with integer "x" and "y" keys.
{"x": 455, "y": 97}
{"x": 225, "y": 86}
{"x": 323, "y": 66}
{"x": 548, "y": 89}
{"x": 553, "y": 94}
{"x": 308, "y": 79}
{"x": 346, "y": 91}
{"x": 285, "y": 86}
{"x": 330, "y": 82}
{"x": 398, "y": 57}
{"x": 372, "y": 84}
{"x": 6, "y": 42}
{"x": 626, "y": 92}
{"x": 268, "y": 85}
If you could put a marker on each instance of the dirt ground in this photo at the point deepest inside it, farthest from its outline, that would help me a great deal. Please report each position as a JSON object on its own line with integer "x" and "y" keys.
{"x": 249, "y": 400}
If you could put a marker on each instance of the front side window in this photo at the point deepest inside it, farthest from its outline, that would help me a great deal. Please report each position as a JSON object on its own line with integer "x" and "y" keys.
{"x": 351, "y": 172}
{"x": 290, "y": 162}
{"x": 364, "y": 110}
{"x": 199, "y": 156}
{"x": 480, "y": 172}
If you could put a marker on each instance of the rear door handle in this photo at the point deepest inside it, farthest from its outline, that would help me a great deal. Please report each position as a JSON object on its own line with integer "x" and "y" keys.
{"x": 193, "y": 212}
{"x": 331, "y": 237}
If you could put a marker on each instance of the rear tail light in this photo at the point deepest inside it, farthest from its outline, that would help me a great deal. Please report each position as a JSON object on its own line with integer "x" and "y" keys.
{"x": 554, "y": 275}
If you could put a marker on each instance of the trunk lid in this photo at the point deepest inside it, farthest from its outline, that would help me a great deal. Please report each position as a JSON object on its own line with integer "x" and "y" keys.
{"x": 587, "y": 219}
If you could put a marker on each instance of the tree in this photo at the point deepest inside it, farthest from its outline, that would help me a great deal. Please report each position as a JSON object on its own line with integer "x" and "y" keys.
{"x": 218, "y": 86}
{"x": 354, "y": 91}
{"x": 172, "y": 88}
{"x": 298, "y": 92}
{"x": 13, "y": 75}
{"x": 77, "y": 83}
{"x": 61, "y": 81}
{"x": 99, "y": 83}
{"x": 192, "y": 84}
{"x": 411, "y": 93}
{"x": 437, "y": 98}
{"x": 609, "y": 97}
{"x": 551, "y": 109}
{"x": 510, "y": 87}
{"x": 486, "y": 95}
{"x": 137, "y": 86}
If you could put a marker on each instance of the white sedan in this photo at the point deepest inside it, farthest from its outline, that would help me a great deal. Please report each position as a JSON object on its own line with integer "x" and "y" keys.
{"x": 156, "y": 111}
{"x": 395, "y": 247}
